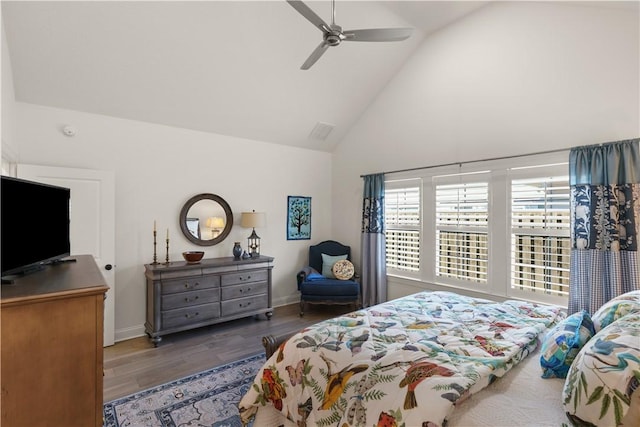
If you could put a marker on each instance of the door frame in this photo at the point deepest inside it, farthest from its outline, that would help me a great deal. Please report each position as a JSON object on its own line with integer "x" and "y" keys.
{"x": 104, "y": 220}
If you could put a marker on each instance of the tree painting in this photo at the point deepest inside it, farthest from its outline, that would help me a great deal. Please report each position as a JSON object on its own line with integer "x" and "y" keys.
{"x": 299, "y": 218}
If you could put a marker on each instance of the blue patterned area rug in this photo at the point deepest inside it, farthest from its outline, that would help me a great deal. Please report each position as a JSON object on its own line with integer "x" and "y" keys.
{"x": 209, "y": 398}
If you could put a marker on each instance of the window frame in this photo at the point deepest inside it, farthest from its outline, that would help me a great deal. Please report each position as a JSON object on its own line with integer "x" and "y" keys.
{"x": 477, "y": 177}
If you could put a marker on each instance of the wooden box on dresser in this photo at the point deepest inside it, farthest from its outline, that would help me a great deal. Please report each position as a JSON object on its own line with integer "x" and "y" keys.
{"x": 51, "y": 347}
{"x": 182, "y": 296}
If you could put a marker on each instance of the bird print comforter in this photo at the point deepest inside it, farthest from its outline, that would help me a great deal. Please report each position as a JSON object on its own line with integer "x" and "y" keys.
{"x": 406, "y": 362}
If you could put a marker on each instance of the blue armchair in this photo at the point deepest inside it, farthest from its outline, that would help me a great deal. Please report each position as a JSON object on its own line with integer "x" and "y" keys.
{"x": 318, "y": 285}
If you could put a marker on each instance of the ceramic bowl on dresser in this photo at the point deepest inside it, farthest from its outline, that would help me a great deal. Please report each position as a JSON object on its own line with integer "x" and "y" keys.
{"x": 193, "y": 257}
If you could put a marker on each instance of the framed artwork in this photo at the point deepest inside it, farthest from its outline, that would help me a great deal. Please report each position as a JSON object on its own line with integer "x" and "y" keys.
{"x": 298, "y": 218}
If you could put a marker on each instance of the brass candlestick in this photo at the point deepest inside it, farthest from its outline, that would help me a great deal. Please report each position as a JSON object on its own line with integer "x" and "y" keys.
{"x": 167, "y": 259}
{"x": 155, "y": 255}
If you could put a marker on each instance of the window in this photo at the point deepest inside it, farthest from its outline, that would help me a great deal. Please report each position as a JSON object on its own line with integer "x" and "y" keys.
{"x": 402, "y": 225}
{"x": 540, "y": 242}
{"x": 498, "y": 227}
{"x": 462, "y": 219}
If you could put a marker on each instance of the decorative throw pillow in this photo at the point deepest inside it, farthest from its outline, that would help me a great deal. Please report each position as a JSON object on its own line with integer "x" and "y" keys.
{"x": 603, "y": 384}
{"x": 343, "y": 269}
{"x": 327, "y": 264}
{"x": 563, "y": 342}
{"x": 314, "y": 275}
{"x": 616, "y": 308}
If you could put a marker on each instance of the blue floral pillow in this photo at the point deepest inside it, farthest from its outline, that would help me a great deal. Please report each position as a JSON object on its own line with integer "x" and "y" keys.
{"x": 563, "y": 342}
{"x": 603, "y": 384}
{"x": 616, "y": 308}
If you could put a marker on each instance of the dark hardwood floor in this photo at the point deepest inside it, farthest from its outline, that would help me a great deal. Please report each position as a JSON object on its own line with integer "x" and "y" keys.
{"x": 134, "y": 365}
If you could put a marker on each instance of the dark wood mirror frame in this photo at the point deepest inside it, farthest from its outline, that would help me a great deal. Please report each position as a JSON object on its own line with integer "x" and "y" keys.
{"x": 227, "y": 227}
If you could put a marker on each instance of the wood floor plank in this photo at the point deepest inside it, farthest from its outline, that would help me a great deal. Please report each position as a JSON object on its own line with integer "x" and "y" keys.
{"x": 134, "y": 365}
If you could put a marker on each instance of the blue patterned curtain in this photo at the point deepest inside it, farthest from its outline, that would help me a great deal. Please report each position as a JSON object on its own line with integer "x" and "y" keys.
{"x": 374, "y": 263}
{"x": 605, "y": 223}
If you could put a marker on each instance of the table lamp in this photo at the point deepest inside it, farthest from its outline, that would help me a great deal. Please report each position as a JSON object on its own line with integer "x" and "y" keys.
{"x": 252, "y": 220}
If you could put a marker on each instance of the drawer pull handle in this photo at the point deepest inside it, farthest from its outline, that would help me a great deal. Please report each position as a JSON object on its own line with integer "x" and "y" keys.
{"x": 195, "y": 298}
{"x": 194, "y": 315}
{"x": 186, "y": 285}
{"x": 246, "y": 305}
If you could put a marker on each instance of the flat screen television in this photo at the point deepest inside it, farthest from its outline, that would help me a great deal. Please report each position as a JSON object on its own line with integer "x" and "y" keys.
{"x": 35, "y": 225}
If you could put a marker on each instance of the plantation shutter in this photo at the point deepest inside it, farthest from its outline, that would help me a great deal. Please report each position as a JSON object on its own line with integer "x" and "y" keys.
{"x": 402, "y": 227}
{"x": 462, "y": 219}
{"x": 540, "y": 242}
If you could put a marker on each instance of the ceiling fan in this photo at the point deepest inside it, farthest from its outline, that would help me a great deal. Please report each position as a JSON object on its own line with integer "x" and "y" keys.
{"x": 333, "y": 35}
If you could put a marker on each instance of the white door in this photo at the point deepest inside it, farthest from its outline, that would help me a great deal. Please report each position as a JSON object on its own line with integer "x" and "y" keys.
{"x": 92, "y": 211}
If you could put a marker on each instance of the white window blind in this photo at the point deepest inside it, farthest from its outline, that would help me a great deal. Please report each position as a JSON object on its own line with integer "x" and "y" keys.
{"x": 540, "y": 241}
{"x": 462, "y": 218}
{"x": 402, "y": 226}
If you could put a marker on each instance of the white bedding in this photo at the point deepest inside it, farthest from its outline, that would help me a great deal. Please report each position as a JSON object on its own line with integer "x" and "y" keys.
{"x": 521, "y": 398}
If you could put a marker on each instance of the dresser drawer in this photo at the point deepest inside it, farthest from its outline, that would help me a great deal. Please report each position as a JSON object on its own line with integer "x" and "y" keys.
{"x": 240, "y": 305}
{"x": 186, "y": 299}
{"x": 190, "y": 284}
{"x": 245, "y": 277}
{"x": 244, "y": 290}
{"x": 189, "y": 315}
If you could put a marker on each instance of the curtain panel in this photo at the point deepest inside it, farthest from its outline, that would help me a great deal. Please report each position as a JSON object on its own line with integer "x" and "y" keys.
{"x": 373, "y": 243}
{"x": 605, "y": 223}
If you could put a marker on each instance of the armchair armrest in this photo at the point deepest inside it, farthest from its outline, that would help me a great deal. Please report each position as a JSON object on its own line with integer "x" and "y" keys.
{"x": 302, "y": 274}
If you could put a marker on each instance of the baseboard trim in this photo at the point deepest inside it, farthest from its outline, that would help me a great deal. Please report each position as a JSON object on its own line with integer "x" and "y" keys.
{"x": 288, "y": 300}
{"x": 129, "y": 333}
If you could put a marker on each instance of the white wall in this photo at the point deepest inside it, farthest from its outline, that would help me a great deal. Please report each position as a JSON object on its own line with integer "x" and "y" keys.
{"x": 8, "y": 148}
{"x": 511, "y": 78}
{"x": 158, "y": 168}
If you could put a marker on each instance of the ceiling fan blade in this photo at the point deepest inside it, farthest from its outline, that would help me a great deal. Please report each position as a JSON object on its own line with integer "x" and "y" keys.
{"x": 315, "y": 55}
{"x": 378, "y": 35}
{"x": 305, "y": 11}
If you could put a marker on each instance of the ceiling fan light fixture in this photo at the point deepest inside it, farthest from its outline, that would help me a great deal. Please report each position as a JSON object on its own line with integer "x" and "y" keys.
{"x": 334, "y": 38}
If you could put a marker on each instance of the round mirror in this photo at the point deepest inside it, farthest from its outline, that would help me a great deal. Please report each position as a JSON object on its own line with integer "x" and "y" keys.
{"x": 206, "y": 219}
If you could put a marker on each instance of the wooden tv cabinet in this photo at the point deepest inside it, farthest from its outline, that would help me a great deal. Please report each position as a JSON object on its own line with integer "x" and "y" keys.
{"x": 182, "y": 296}
{"x": 51, "y": 346}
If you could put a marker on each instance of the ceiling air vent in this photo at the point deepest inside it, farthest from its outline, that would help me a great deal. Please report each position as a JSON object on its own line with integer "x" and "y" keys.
{"x": 321, "y": 131}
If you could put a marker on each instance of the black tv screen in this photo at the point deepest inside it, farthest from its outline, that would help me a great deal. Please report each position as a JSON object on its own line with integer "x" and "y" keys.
{"x": 35, "y": 225}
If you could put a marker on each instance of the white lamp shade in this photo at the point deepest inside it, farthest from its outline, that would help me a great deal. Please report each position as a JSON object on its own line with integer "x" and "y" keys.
{"x": 252, "y": 219}
{"x": 215, "y": 222}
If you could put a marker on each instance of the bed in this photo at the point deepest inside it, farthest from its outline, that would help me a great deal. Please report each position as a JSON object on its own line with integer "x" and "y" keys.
{"x": 408, "y": 362}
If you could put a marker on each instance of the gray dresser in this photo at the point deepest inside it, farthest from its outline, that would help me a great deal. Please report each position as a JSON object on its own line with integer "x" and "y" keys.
{"x": 182, "y": 296}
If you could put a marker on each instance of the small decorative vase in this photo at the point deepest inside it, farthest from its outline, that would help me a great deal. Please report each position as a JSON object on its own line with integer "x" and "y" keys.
{"x": 237, "y": 250}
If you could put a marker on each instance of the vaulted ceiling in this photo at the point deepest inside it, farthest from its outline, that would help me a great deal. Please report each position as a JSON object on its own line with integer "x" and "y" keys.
{"x": 227, "y": 67}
